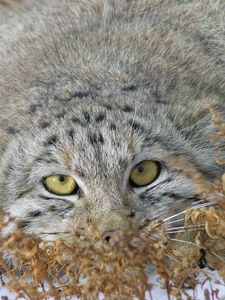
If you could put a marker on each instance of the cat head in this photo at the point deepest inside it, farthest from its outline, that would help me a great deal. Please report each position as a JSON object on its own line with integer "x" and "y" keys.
{"x": 100, "y": 164}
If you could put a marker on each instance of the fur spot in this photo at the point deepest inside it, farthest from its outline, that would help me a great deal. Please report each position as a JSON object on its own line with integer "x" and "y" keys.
{"x": 60, "y": 115}
{"x": 44, "y": 125}
{"x": 24, "y": 223}
{"x": 80, "y": 94}
{"x": 8, "y": 170}
{"x": 100, "y": 117}
{"x": 107, "y": 106}
{"x": 71, "y": 134}
{"x": 53, "y": 208}
{"x": 87, "y": 116}
{"x": 136, "y": 126}
{"x": 129, "y": 88}
{"x": 53, "y": 140}
{"x": 11, "y": 130}
{"x": 127, "y": 108}
{"x": 76, "y": 121}
{"x": 112, "y": 127}
{"x": 33, "y": 107}
{"x": 96, "y": 138}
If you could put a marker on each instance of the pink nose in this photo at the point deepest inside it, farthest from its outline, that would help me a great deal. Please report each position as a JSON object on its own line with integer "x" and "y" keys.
{"x": 108, "y": 234}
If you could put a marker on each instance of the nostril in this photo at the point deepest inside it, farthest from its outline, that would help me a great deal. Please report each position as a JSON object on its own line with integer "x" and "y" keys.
{"x": 107, "y": 238}
{"x": 109, "y": 234}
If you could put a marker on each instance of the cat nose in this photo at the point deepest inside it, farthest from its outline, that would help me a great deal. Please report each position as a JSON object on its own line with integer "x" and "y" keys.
{"x": 108, "y": 235}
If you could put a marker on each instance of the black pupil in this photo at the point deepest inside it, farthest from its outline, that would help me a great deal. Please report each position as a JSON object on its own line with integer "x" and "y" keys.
{"x": 141, "y": 169}
{"x": 61, "y": 178}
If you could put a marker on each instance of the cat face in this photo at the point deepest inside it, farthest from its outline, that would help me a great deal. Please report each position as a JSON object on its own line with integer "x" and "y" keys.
{"x": 103, "y": 165}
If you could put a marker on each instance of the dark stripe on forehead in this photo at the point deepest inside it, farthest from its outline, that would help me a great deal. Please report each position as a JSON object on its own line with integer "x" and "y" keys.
{"x": 129, "y": 88}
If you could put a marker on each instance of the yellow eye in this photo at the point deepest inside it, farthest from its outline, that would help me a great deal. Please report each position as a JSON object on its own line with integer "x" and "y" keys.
{"x": 60, "y": 184}
{"x": 144, "y": 173}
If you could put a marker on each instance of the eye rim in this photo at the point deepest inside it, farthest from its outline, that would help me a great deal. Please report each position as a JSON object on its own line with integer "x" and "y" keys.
{"x": 159, "y": 169}
{"x": 74, "y": 191}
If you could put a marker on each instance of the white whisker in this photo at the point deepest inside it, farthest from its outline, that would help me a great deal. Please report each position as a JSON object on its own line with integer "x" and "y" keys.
{"x": 175, "y": 221}
{"x": 185, "y": 227}
{"x": 184, "y": 211}
{"x": 183, "y": 231}
{"x": 178, "y": 253}
{"x": 221, "y": 258}
{"x": 183, "y": 241}
{"x": 172, "y": 258}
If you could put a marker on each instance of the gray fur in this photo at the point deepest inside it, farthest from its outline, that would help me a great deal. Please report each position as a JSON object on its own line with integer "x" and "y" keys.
{"x": 90, "y": 88}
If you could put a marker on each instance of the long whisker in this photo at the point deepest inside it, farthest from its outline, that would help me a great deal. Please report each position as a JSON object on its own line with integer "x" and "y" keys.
{"x": 55, "y": 232}
{"x": 194, "y": 245}
{"x": 184, "y": 211}
{"x": 175, "y": 221}
{"x": 172, "y": 258}
{"x": 186, "y": 227}
{"x": 183, "y": 241}
{"x": 183, "y": 231}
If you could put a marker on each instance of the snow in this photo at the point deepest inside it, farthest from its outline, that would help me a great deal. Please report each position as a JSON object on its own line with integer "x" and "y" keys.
{"x": 215, "y": 283}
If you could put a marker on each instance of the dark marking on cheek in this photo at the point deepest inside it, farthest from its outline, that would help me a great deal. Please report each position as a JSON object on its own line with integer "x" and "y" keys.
{"x": 35, "y": 214}
{"x": 24, "y": 224}
{"x": 53, "y": 208}
{"x": 22, "y": 194}
{"x": 100, "y": 117}
{"x": 65, "y": 204}
{"x": 129, "y": 88}
{"x": 44, "y": 125}
{"x": 11, "y": 130}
